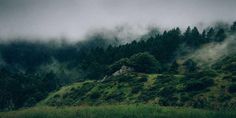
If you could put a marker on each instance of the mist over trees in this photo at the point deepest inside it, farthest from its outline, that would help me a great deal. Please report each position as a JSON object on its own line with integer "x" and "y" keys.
{"x": 30, "y": 70}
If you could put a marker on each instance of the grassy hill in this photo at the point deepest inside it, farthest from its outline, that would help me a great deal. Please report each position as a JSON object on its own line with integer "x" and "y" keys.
{"x": 140, "y": 95}
{"x": 212, "y": 88}
{"x": 199, "y": 90}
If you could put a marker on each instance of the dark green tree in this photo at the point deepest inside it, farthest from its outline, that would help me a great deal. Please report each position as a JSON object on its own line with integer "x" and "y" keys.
{"x": 144, "y": 62}
{"x": 190, "y": 65}
{"x": 210, "y": 35}
{"x": 174, "y": 67}
{"x": 220, "y": 35}
{"x": 187, "y": 34}
{"x": 195, "y": 37}
{"x": 233, "y": 27}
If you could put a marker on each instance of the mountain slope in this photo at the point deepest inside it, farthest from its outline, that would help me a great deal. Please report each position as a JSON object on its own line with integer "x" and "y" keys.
{"x": 200, "y": 90}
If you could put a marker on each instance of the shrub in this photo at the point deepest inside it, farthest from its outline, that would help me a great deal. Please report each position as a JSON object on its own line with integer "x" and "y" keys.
{"x": 174, "y": 67}
{"x": 198, "y": 84}
{"x": 230, "y": 78}
{"x": 194, "y": 86}
{"x": 232, "y": 88}
{"x": 230, "y": 67}
{"x": 207, "y": 81}
{"x": 115, "y": 96}
{"x": 224, "y": 97}
{"x": 124, "y": 78}
{"x": 167, "y": 91}
{"x": 136, "y": 89}
{"x": 168, "y": 101}
{"x": 201, "y": 74}
{"x": 82, "y": 90}
{"x": 94, "y": 95}
{"x": 142, "y": 79}
{"x": 200, "y": 102}
{"x": 164, "y": 78}
{"x": 190, "y": 65}
{"x": 145, "y": 97}
{"x": 185, "y": 97}
{"x": 144, "y": 62}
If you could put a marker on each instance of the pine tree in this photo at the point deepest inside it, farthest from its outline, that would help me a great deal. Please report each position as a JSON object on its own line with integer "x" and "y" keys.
{"x": 233, "y": 27}
{"x": 220, "y": 35}
{"x": 210, "y": 35}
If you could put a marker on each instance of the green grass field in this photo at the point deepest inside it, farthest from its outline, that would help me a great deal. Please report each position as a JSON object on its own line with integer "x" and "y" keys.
{"x": 116, "y": 111}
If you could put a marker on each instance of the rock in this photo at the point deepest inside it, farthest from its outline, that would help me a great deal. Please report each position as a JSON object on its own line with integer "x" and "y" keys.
{"x": 123, "y": 70}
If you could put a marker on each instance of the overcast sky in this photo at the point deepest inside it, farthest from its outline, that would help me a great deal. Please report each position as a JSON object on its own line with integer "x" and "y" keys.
{"x": 73, "y": 18}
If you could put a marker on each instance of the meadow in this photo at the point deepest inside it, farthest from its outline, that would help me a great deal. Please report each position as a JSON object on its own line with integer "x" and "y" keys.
{"x": 116, "y": 111}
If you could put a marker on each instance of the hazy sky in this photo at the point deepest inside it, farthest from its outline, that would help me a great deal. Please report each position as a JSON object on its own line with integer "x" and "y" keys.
{"x": 73, "y": 18}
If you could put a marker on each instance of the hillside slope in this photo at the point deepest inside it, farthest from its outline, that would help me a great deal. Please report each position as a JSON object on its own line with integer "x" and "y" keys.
{"x": 213, "y": 89}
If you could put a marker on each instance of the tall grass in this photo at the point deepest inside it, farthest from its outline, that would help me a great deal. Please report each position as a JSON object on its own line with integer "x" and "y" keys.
{"x": 116, "y": 111}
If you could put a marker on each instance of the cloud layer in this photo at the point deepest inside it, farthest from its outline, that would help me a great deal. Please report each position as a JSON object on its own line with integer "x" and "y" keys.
{"x": 74, "y": 18}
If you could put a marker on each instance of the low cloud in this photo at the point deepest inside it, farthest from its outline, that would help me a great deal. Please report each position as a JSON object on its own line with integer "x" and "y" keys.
{"x": 210, "y": 53}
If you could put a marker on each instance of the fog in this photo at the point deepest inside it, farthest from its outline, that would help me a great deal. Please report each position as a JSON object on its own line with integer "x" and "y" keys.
{"x": 210, "y": 53}
{"x": 76, "y": 19}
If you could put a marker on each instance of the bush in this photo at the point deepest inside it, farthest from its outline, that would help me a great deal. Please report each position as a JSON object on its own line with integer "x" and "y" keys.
{"x": 144, "y": 62}
{"x": 190, "y": 65}
{"x": 230, "y": 78}
{"x": 82, "y": 90}
{"x": 142, "y": 79}
{"x": 167, "y": 91}
{"x": 201, "y": 74}
{"x": 165, "y": 78}
{"x": 207, "y": 81}
{"x": 232, "y": 88}
{"x": 198, "y": 84}
{"x": 168, "y": 101}
{"x": 230, "y": 67}
{"x": 195, "y": 86}
{"x": 224, "y": 97}
{"x": 174, "y": 67}
{"x": 136, "y": 89}
{"x": 124, "y": 78}
{"x": 115, "y": 96}
{"x": 185, "y": 97}
{"x": 95, "y": 95}
{"x": 145, "y": 97}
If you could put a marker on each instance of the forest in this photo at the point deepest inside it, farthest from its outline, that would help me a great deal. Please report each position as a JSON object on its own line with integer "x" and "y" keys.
{"x": 170, "y": 68}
